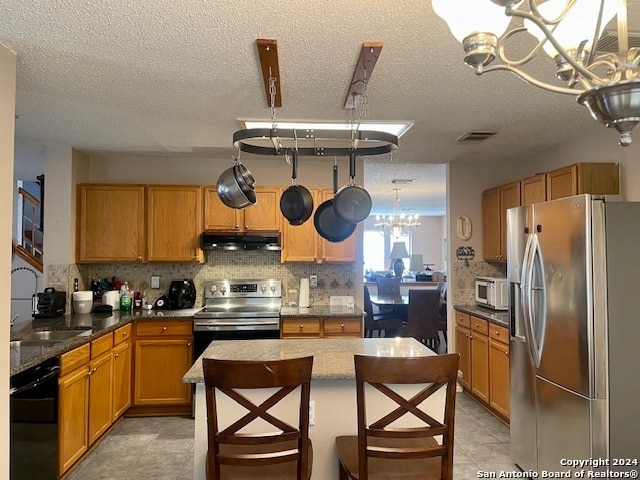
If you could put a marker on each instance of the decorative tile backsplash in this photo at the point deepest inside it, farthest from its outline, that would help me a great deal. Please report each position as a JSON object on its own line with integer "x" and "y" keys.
{"x": 463, "y": 275}
{"x": 333, "y": 279}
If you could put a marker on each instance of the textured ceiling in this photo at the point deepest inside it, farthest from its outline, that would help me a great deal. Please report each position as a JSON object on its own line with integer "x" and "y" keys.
{"x": 171, "y": 76}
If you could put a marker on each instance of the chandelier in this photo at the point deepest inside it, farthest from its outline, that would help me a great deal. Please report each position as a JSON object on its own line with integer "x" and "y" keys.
{"x": 607, "y": 84}
{"x": 397, "y": 225}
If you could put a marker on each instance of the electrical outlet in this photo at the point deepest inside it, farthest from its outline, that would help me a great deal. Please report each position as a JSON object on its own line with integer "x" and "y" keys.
{"x": 313, "y": 281}
{"x": 312, "y": 413}
{"x": 155, "y": 281}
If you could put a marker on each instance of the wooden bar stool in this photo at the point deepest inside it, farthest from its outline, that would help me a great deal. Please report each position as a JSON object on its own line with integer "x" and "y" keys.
{"x": 381, "y": 451}
{"x": 233, "y": 452}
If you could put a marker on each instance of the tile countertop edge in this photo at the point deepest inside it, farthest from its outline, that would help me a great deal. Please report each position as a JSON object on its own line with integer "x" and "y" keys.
{"x": 99, "y": 323}
{"x": 333, "y": 358}
{"x": 498, "y": 317}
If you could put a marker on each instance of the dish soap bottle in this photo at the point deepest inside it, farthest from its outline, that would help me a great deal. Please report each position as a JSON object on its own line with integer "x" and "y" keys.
{"x": 125, "y": 298}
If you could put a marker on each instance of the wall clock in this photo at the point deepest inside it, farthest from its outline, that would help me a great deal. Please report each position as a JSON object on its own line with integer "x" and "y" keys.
{"x": 463, "y": 227}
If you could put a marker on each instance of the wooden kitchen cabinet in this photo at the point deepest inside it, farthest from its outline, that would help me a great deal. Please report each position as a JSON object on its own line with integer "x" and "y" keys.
{"x": 321, "y": 327}
{"x": 495, "y": 203}
{"x": 595, "y": 178}
{"x": 499, "y": 369}
{"x": 122, "y": 362}
{"x": 174, "y": 223}
{"x": 163, "y": 354}
{"x": 100, "y": 396}
{"x": 533, "y": 189}
{"x": 479, "y": 358}
{"x": 463, "y": 347}
{"x": 265, "y": 215}
{"x": 110, "y": 223}
{"x": 302, "y": 243}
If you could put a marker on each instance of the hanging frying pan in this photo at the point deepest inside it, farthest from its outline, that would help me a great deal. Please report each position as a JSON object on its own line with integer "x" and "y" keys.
{"x": 352, "y": 203}
{"x": 296, "y": 202}
{"x": 328, "y": 225}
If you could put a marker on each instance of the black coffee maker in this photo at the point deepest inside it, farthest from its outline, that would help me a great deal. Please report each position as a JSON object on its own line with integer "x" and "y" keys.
{"x": 182, "y": 294}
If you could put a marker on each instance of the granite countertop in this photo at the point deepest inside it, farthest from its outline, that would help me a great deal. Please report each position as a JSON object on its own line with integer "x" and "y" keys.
{"x": 333, "y": 359}
{"x": 322, "y": 311}
{"x": 96, "y": 324}
{"x": 494, "y": 316}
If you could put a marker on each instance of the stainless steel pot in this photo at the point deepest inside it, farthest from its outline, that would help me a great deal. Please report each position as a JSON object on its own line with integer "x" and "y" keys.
{"x": 352, "y": 203}
{"x": 236, "y": 188}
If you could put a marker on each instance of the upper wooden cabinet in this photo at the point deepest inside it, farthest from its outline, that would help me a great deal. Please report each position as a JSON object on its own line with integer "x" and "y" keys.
{"x": 110, "y": 223}
{"x": 301, "y": 243}
{"x": 595, "y": 178}
{"x": 264, "y": 215}
{"x": 174, "y": 223}
{"x": 533, "y": 189}
{"x": 495, "y": 203}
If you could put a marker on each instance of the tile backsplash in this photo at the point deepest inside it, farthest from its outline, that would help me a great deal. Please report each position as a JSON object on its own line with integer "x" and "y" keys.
{"x": 333, "y": 279}
{"x": 463, "y": 276}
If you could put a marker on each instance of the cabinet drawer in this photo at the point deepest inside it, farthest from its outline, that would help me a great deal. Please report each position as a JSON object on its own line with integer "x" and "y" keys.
{"x": 101, "y": 345}
{"x": 75, "y": 358}
{"x": 165, "y": 328}
{"x": 499, "y": 333}
{"x": 121, "y": 334}
{"x": 301, "y": 326}
{"x": 463, "y": 319}
{"x": 346, "y": 326}
{"x": 479, "y": 325}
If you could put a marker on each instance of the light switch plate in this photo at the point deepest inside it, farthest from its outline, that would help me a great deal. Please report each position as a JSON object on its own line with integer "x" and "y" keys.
{"x": 155, "y": 281}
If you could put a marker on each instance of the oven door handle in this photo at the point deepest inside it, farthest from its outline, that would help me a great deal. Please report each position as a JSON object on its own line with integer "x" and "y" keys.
{"x": 35, "y": 383}
{"x": 223, "y": 323}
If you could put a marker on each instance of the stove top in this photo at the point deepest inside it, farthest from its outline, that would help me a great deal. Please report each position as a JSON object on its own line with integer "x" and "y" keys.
{"x": 241, "y": 299}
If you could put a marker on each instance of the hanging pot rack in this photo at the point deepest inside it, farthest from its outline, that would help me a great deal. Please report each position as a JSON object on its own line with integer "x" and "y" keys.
{"x": 308, "y": 142}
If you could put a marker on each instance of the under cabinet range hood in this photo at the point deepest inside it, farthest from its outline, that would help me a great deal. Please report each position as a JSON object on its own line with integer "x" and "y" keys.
{"x": 240, "y": 241}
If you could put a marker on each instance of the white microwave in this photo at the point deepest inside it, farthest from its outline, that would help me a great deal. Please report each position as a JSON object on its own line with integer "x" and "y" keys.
{"x": 492, "y": 292}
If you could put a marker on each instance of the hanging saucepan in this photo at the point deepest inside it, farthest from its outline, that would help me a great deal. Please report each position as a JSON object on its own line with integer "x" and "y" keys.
{"x": 235, "y": 186}
{"x": 352, "y": 203}
{"x": 296, "y": 202}
{"x": 328, "y": 225}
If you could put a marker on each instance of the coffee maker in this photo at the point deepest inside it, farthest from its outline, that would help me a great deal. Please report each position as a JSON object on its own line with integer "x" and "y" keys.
{"x": 48, "y": 304}
{"x": 182, "y": 294}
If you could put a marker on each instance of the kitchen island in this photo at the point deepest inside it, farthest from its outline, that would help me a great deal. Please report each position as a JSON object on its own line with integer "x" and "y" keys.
{"x": 333, "y": 389}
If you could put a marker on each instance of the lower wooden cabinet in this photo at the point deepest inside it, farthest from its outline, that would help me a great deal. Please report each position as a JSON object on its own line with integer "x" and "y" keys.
{"x": 163, "y": 354}
{"x": 122, "y": 362}
{"x": 463, "y": 347}
{"x": 479, "y": 358}
{"x": 321, "y": 327}
{"x": 100, "y": 400}
{"x": 499, "y": 369}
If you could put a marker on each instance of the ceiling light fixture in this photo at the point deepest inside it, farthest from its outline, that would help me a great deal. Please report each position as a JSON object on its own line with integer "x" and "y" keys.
{"x": 394, "y": 128}
{"x": 568, "y": 31}
{"x": 397, "y": 225}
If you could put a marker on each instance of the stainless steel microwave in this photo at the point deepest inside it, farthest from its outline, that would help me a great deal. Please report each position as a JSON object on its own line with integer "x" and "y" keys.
{"x": 492, "y": 292}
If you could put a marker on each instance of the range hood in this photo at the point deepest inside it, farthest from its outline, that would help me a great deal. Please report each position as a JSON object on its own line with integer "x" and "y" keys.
{"x": 240, "y": 241}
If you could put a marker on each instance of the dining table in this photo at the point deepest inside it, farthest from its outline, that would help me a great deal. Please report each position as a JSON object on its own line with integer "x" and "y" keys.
{"x": 399, "y": 304}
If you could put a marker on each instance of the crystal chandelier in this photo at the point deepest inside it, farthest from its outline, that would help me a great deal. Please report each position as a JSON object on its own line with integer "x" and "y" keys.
{"x": 568, "y": 31}
{"x": 397, "y": 225}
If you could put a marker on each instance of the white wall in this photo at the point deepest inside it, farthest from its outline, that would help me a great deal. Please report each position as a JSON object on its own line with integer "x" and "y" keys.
{"x": 7, "y": 126}
{"x": 427, "y": 241}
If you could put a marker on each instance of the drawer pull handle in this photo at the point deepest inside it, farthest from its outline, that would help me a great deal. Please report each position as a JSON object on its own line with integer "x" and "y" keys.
{"x": 164, "y": 327}
{"x": 301, "y": 326}
{"x": 124, "y": 334}
{"x": 342, "y": 326}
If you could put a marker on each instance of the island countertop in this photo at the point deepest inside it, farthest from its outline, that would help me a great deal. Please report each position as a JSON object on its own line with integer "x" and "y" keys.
{"x": 333, "y": 358}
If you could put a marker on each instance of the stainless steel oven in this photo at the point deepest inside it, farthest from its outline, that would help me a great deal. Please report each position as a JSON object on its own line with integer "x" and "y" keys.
{"x": 237, "y": 310}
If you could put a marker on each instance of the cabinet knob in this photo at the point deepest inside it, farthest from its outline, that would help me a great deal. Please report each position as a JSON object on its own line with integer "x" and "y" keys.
{"x": 477, "y": 325}
{"x": 506, "y": 353}
{"x": 301, "y": 326}
{"x": 315, "y": 259}
{"x": 342, "y": 326}
{"x": 189, "y": 344}
{"x": 95, "y": 370}
{"x": 237, "y": 226}
{"x": 164, "y": 327}
{"x": 117, "y": 355}
{"x": 124, "y": 334}
{"x": 246, "y": 227}
{"x": 139, "y": 257}
{"x": 89, "y": 373}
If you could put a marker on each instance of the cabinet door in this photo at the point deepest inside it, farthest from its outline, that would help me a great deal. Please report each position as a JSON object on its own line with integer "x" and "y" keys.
{"x": 73, "y": 414}
{"x": 509, "y": 198}
{"x": 463, "y": 347}
{"x": 174, "y": 223}
{"x": 265, "y": 214}
{"x": 344, "y": 251}
{"x": 342, "y": 327}
{"x": 480, "y": 366}
{"x": 100, "y": 396}
{"x": 300, "y": 243}
{"x": 534, "y": 190}
{"x": 110, "y": 223}
{"x": 121, "y": 379}
{"x": 499, "y": 375}
{"x": 217, "y": 216}
{"x": 491, "y": 224}
{"x": 562, "y": 182}
{"x": 160, "y": 365}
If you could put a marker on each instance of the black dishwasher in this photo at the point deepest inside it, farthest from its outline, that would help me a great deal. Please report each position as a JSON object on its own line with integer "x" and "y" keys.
{"x": 33, "y": 399}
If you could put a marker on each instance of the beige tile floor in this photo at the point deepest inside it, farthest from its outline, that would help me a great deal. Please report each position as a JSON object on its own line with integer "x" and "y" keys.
{"x": 161, "y": 448}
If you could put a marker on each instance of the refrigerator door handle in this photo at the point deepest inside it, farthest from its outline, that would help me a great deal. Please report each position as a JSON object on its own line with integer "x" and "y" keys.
{"x": 535, "y": 286}
{"x": 525, "y": 297}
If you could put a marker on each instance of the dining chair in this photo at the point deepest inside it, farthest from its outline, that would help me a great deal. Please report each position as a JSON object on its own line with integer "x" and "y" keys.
{"x": 423, "y": 316}
{"x": 388, "y": 286}
{"x": 236, "y": 452}
{"x": 382, "y": 451}
{"x": 385, "y": 323}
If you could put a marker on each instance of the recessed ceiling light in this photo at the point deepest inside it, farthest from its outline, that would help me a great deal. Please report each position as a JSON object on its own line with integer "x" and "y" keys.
{"x": 401, "y": 181}
{"x": 395, "y": 128}
{"x": 475, "y": 137}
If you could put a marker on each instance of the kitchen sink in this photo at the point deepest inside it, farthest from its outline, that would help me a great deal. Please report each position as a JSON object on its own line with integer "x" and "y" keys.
{"x": 55, "y": 335}
{"x": 31, "y": 343}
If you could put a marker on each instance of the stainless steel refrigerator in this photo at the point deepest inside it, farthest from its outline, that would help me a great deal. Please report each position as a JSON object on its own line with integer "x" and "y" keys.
{"x": 573, "y": 267}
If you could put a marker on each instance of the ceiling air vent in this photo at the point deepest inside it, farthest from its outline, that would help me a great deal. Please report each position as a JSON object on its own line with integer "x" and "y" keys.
{"x": 475, "y": 137}
{"x": 401, "y": 181}
{"x": 608, "y": 42}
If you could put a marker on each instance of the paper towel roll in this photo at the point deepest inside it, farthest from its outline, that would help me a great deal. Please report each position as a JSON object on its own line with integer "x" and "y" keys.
{"x": 304, "y": 293}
